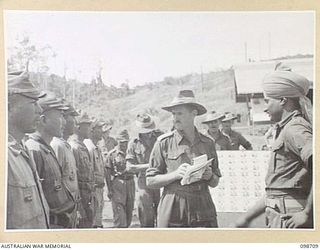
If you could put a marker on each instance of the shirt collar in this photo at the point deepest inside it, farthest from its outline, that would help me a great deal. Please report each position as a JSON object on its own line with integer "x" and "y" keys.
{"x": 287, "y": 119}
{"x": 16, "y": 148}
{"x": 180, "y": 136}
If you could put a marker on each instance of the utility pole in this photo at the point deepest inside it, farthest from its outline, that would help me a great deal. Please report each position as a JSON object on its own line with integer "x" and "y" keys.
{"x": 64, "y": 80}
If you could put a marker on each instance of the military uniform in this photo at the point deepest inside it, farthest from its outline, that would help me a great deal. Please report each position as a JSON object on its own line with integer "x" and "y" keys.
{"x": 27, "y": 206}
{"x": 86, "y": 182}
{"x": 66, "y": 160}
{"x": 62, "y": 206}
{"x": 190, "y": 205}
{"x": 236, "y": 139}
{"x": 99, "y": 175}
{"x": 289, "y": 179}
{"x": 148, "y": 199}
{"x": 123, "y": 188}
{"x": 221, "y": 141}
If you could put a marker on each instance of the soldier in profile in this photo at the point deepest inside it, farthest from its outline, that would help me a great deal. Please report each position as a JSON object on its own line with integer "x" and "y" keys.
{"x": 120, "y": 182}
{"x": 27, "y": 207}
{"x": 85, "y": 169}
{"x": 138, "y": 155}
{"x": 62, "y": 205}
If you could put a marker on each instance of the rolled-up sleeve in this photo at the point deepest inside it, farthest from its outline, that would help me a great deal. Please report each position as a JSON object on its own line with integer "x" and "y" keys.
{"x": 157, "y": 163}
{"x": 299, "y": 141}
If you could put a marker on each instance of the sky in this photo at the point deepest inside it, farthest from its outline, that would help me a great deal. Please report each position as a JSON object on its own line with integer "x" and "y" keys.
{"x": 140, "y": 47}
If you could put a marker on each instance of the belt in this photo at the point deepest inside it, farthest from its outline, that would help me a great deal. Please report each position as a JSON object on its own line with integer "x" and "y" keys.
{"x": 283, "y": 203}
{"x": 124, "y": 177}
{"x": 193, "y": 188}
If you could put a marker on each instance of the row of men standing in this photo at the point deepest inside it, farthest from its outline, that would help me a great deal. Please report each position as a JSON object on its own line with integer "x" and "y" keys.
{"x": 57, "y": 169}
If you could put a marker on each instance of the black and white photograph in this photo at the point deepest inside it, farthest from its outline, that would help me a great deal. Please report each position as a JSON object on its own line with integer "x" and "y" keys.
{"x": 159, "y": 120}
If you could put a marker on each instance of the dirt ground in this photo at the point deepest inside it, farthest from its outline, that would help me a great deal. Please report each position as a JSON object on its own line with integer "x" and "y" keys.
{"x": 225, "y": 220}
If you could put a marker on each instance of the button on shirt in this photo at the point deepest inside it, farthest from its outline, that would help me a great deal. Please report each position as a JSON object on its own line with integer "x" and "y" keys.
{"x": 67, "y": 161}
{"x": 173, "y": 149}
{"x": 49, "y": 169}
{"x": 291, "y": 150}
{"x": 83, "y": 162}
{"x": 97, "y": 161}
{"x": 27, "y": 207}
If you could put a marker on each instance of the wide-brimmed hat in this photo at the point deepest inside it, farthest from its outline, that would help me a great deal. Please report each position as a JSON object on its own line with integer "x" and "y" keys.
{"x": 186, "y": 97}
{"x": 83, "y": 119}
{"x": 71, "y": 110}
{"x": 229, "y": 117}
{"x": 106, "y": 128}
{"x": 123, "y": 136}
{"x": 213, "y": 116}
{"x": 97, "y": 123}
{"x": 19, "y": 83}
{"x": 145, "y": 123}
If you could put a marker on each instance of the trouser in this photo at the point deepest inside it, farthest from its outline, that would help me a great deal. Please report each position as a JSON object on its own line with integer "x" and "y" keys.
{"x": 186, "y": 206}
{"x": 98, "y": 207}
{"x": 86, "y": 210}
{"x": 122, "y": 201}
{"x": 277, "y": 206}
{"x": 148, "y": 201}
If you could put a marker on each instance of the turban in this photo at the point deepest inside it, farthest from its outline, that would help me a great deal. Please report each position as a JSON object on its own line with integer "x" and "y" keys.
{"x": 285, "y": 83}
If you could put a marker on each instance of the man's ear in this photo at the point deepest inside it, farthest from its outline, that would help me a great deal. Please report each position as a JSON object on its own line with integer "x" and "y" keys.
{"x": 43, "y": 119}
{"x": 283, "y": 101}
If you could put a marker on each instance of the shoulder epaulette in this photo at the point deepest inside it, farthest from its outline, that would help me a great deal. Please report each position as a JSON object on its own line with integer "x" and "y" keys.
{"x": 165, "y": 135}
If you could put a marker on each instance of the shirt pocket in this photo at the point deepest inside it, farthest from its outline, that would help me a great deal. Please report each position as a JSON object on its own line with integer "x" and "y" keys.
{"x": 175, "y": 159}
{"x": 278, "y": 156}
{"x": 25, "y": 209}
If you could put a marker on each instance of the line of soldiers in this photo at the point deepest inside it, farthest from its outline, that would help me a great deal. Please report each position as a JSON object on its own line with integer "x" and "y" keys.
{"x": 59, "y": 162}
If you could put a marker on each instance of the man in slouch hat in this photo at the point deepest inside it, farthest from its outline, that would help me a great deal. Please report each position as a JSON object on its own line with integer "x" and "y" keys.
{"x": 188, "y": 205}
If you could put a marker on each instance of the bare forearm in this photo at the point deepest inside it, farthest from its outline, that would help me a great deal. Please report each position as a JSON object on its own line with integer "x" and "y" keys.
{"x": 136, "y": 168}
{"x": 161, "y": 180}
{"x": 309, "y": 206}
{"x": 108, "y": 178}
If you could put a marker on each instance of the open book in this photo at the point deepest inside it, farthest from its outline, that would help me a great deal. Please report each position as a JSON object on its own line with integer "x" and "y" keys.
{"x": 194, "y": 172}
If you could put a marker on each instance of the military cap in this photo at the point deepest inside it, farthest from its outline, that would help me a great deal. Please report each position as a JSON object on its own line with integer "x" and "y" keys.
{"x": 71, "y": 110}
{"x": 19, "y": 83}
{"x": 229, "y": 117}
{"x": 97, "y": 123}
{"x": 213, "y": 116}
{"x": 83, "y": 118}
{"x": 145, "y": 123}
{"x": 123, "y": 136}
{"x": 186, "y": 97}
{"x": 50, "y": 101}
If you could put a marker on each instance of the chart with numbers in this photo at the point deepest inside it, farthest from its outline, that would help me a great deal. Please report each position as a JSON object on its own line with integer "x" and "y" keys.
{"x": 242, "y": 182}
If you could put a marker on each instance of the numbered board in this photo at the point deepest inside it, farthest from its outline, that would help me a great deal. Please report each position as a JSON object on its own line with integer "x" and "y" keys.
{"x": 242, "y": 182}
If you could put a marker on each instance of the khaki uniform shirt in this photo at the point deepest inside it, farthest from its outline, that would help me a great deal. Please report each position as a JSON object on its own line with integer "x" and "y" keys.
{"x": 222, "y": 142}
{"x": 27, "y": 207}
{"x": 98, "y": 162}
{"x": 173, "y": 149}
{"x": 83, "y": 162}
{"x": 139, "y": 153}
{"x": 67, "y": 161}
{"x": 291, "y": 150}
{"x": 58, "y": 196}
{"x": 236, "y": 139}
{"x": 116, "y": 161}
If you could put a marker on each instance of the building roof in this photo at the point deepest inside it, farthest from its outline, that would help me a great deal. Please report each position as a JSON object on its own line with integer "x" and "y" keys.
{"x": 249, "y": 76}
